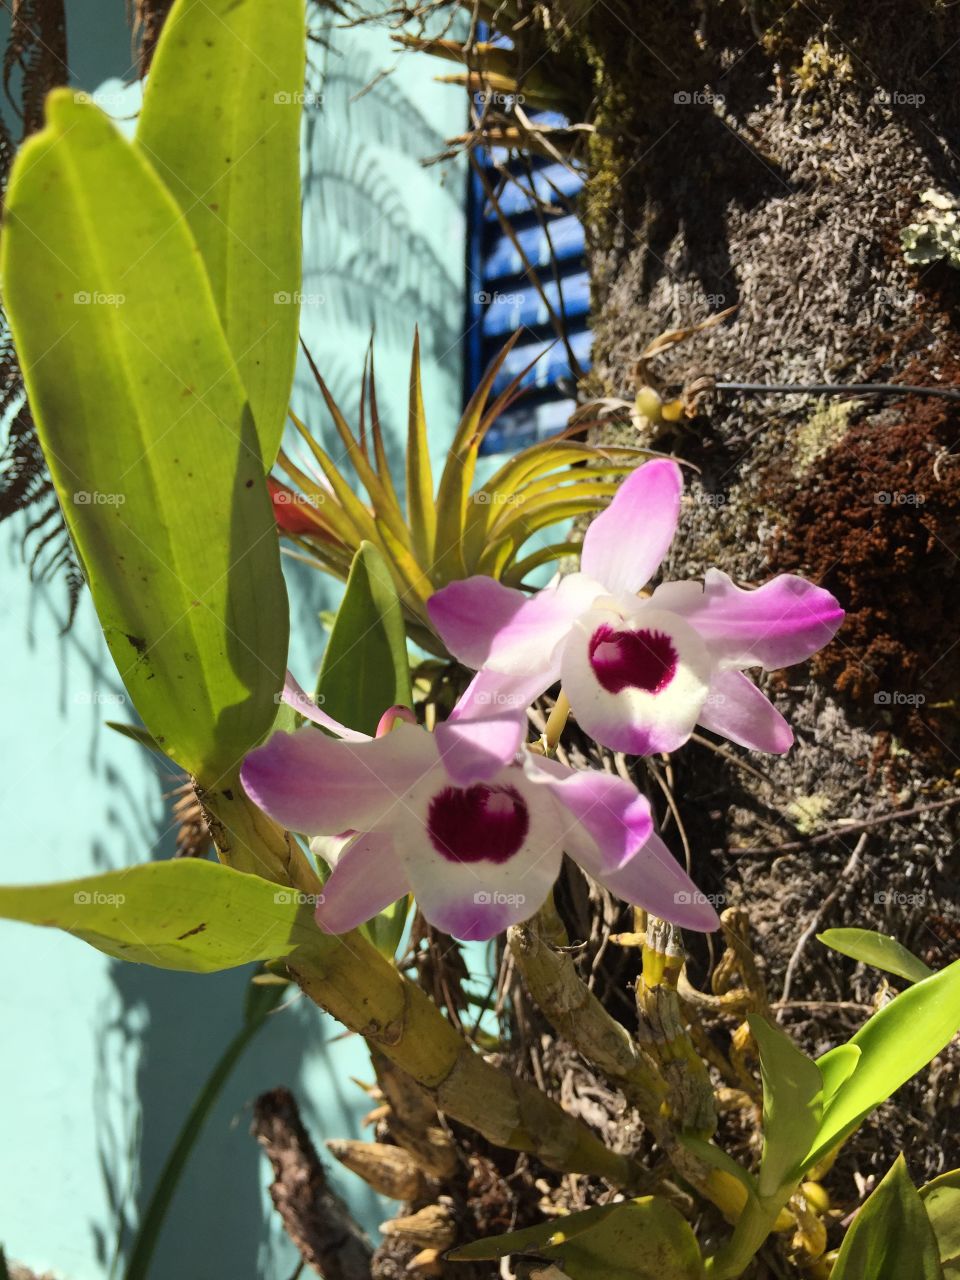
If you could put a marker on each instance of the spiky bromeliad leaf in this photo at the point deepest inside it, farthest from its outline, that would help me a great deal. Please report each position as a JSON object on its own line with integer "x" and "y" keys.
{"x": 149, "y": 437}
{"x": 460, "y": 532}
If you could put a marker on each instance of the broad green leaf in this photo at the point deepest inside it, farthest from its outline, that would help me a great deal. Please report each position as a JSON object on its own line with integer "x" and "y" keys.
{"x": 941, "y": 1199}
{"x": 386, "y": 929}
{"x": 792, "y": 1103}
{"x": 891, "y": 1237}
{"x": 221, "y": 126}
{"x": 642, "y": 1239}
{"x": 365, "y": 667}
{"x": 148, "y": 435}
{"x": 837, "y": 1065}
{"x": 897, "y": 1042}
{"x": 717, "y": 1158}
{"x": 877, "y": 949}
{"x": 184, "y": 914}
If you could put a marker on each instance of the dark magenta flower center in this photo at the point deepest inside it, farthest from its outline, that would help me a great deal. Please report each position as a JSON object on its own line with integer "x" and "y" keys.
{"x": 478, "y": 823}
{"x": 643, "y": 660}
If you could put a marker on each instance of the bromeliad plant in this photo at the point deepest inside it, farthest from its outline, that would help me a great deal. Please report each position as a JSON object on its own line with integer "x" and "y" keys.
{"x": 445, "y": 533}
{"x": 140, "y": 279}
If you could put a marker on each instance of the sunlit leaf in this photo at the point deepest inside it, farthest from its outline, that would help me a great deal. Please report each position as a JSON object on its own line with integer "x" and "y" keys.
{"x": 891, "y": 1237}
{"x": 792, "y": 1103}
{"x": 148, "y": 434}
{"x": 941, "y": 1199}
{"x": 221, "y": 125}
{"x": 365, "y": 666}
{"x": 642, "y": 1239}
{"x": 185, "y": 914}
{"x": 877, "y": 949}
{"x": 896, "y": 1043}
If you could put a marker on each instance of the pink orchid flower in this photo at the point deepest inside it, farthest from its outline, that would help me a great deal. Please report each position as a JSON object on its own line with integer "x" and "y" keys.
{"x": 639, "y": 672}
{"x": 478, "y": 842}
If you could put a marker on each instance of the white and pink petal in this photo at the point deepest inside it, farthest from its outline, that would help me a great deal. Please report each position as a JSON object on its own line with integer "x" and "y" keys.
{"x": 736, "y": 709}
{"x": 320, "y": 786}
{"x": 625, "y": 545}
{"x": 783, "y": 622}
{"x": 637, "y": 683}
{"x": 368, "y": 878}
{"x": 485, "y": 624}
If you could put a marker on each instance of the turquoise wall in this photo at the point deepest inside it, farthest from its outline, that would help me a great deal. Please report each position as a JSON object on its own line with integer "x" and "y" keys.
{"x": 101, "y": 1060}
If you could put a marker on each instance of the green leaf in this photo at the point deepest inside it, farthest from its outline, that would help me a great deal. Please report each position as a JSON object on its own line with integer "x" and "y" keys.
{"x": 642, "y": 1239}
{"x": 365, "y": 667}
{"x": 148, "y": 435}
{"x": 386, "y": 929}
{"x": 421, "y": 507}
{"x": 941, "y": 1199}
{"x": 891, "y": 1237}
{"x": 896, "y": 1043}
{"x": 717, "y": 1158}
{"x": 877, "y": 949}
{"x": 185, "y": 914}
{"x": 792, "y": 1103}
{"x": 221, "y": 126}
{"x": 836, "y": 1068}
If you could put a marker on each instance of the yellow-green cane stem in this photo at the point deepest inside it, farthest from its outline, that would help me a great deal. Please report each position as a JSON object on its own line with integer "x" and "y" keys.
{"x": 556, "y": 723}
{"x": 351, "y": 980}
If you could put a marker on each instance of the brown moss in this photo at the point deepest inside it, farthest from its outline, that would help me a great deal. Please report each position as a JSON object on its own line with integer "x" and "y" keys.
{"x": 878, "y": 522}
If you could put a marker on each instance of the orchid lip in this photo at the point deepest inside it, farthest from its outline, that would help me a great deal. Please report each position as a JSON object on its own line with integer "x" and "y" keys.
{"x": 632, "y": 659}
{"x": 483, "y": 822}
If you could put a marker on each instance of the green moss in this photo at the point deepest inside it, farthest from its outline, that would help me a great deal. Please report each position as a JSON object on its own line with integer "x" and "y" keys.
{"x": 821, "y": 432}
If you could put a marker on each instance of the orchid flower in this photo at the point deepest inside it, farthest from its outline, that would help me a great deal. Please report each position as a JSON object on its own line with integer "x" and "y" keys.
{"x": 639, "y": 672}
{"x": 479, "y": 842}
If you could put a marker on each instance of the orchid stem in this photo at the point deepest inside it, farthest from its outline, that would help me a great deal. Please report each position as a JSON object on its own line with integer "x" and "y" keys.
{"x": 556, "y": 723}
